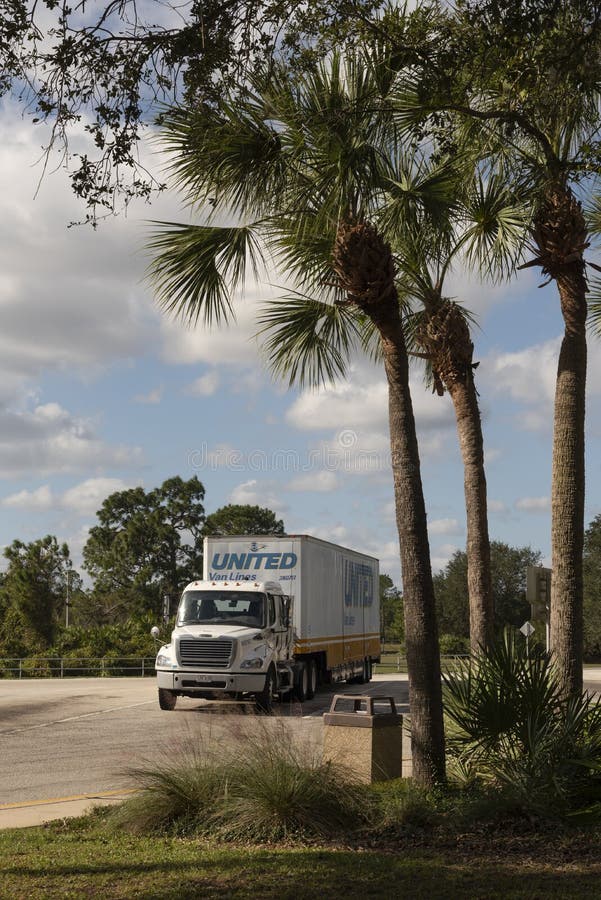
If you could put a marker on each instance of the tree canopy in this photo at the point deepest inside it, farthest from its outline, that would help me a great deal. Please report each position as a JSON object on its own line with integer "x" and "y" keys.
{"x": 148, "y": 543}
{"x": 111, "y": 66}
{"x": 243, "y": 519}
{"x": 508, "y": 570}
{"x": 33, "y": 592}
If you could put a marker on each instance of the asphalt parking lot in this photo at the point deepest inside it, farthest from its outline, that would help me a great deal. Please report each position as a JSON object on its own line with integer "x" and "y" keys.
{"x": 66, "y": 744}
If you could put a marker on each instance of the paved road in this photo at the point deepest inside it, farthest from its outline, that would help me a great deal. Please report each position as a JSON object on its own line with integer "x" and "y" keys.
{"x": 78, "y": 737}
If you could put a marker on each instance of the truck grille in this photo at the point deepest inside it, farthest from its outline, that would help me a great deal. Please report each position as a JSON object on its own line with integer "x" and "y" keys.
{"x": 205, "y": 654}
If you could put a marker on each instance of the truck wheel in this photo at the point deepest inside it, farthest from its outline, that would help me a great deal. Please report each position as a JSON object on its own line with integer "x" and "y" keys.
{"x": 312, "y": 688}
{"x": 264, "y": 700}
{"x": 301, "y": 683}
{"x": 167, "y": 699}
{"x": 362, "y": 677}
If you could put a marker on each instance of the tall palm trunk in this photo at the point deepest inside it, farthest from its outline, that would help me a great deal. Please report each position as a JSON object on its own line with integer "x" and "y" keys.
{"x": 365, "y": 268}
{"x": 561, "y": 238}
{"x": 445, "y": 338}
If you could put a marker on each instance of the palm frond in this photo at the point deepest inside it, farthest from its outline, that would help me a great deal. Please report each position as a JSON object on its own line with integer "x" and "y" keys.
{"x": 309, "y": 342}
{"x": 419, "y": 192}
{"x": 196, "y": 268}
{"x": 230, "y": 156}
{"x": 593, "y": 214}
{"x": 496, "y": 227}
{"x": 301, "y": 242}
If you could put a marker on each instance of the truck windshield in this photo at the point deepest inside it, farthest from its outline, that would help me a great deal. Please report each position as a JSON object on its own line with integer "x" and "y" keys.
{"x": 222, "y": 607}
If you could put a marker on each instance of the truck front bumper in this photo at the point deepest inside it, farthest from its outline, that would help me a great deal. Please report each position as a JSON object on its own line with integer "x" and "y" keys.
{"x": 191, "y": 681}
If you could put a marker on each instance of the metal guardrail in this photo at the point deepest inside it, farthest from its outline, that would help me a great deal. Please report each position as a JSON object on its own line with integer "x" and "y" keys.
{"x": 398, "y": 662}
{"x": 60, "y": 667}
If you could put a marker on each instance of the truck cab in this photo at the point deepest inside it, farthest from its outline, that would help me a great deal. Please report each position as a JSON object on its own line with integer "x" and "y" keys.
{"x": 230, "y": 639}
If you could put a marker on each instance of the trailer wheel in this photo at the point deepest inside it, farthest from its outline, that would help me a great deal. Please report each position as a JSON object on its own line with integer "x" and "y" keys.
{"x": 312, "y": 687}
{"x": 167, "y": 699}
{"x": 264, "y": 699}
{"x": 301, "y": 683}
{"x": 363, "y": 676}
{"x": 369, "y": 670}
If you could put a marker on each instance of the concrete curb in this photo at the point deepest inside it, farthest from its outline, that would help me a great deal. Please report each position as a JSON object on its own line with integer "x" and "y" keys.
{"x": 36, "y": 812}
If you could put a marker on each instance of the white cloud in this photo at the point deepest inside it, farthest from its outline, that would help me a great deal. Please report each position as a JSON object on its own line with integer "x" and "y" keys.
{"x": 526, "y": 375}
{"x": 83, "y": 499}
{"x": 204, "y": 386}
{"x": 232, "y": 345}
{"x": 533, "y": 504}
{"x": 496, "y": 506}
{"x": 152, "y": 398}
{"x": 361, "y": 402}
{"x": 48, "y": 439}
{"x": 255, "y": 493}
{"x": 41, "y": 498}
{"x": 480, "y": 297}
{"x": 445, "y": 526}
{"x": 70, "y": 300}
{"x": 86, "y": 498}
{"x": 323, "y": 481}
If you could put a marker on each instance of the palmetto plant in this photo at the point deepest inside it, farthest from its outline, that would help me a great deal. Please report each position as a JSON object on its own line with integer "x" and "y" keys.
{"x": 314, "y": 169}
{"x": 511, "y": 725}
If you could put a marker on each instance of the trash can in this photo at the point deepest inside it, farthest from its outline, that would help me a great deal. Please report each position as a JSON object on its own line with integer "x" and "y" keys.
{"x": 365, "y": 735}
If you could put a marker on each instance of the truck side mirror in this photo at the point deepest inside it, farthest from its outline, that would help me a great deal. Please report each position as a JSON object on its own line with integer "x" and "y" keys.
{"x": 155, "y": 632}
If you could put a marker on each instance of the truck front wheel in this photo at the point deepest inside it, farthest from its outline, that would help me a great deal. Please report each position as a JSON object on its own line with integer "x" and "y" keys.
{"x": 167, "y": 699}
{"x": 301, "y": 683}
{"x": 264, "y": 699}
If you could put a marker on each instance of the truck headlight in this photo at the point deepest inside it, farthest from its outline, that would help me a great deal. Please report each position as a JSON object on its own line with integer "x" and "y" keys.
{"x": 163, "y": 659}
{"x": 256, "y": 663}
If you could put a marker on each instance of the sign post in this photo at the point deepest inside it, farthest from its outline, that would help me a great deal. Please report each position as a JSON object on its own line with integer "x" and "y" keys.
{"x": 538, "y": 595}
{"x": 527, "y": 630}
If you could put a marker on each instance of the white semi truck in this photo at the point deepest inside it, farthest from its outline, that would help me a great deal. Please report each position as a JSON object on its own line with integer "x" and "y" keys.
{"x": 272, "y": 617}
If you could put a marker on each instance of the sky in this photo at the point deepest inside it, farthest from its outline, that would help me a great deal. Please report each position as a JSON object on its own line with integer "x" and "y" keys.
{"x": 100, "y": 392}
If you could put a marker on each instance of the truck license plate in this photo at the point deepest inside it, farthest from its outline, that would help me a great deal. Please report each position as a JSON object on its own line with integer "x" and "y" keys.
{"x": 204, "y": 677}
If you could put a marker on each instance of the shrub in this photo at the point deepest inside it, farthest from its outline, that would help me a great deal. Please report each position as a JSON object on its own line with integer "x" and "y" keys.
{"x": 513, "y": 728}
{"x": 453, "y": 645}
{"x": 267, "y": 784}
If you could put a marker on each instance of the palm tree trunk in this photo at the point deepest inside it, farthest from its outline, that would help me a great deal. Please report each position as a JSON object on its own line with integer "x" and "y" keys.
{"x": 364, "y": 265}
{"x": 561, "y": 238}
{"x": 469, "y": 430}
{"x": 444, "y": 336}
{"x": 567, "y": 491}
{"x": 421, "y": 632}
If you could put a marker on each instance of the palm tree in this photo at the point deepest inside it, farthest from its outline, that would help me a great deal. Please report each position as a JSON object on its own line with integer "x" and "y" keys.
{"x": 487, "y": 231}
{"x": 519, "y": 81}
{"x": 310, "y": 164}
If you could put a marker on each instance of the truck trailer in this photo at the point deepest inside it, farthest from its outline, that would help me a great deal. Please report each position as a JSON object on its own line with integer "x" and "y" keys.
{"x": 273, "y": 617}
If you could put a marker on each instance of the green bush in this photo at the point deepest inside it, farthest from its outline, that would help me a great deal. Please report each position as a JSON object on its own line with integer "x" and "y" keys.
{"x": 267, "y": 785}
{"x": 453, "y": 645}
{"x": 511, "y": 727}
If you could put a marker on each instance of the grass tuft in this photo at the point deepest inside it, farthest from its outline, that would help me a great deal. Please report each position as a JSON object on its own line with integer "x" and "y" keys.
{"x": 263, "y": 785}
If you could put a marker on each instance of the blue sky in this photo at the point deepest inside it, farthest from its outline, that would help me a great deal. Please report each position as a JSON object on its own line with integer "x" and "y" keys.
{"x": 99, "y": 392}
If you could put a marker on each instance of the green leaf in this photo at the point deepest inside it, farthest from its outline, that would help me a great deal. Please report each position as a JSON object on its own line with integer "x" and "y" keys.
{"x": 196, "y": 268}
{"x": 309, "y": 342}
